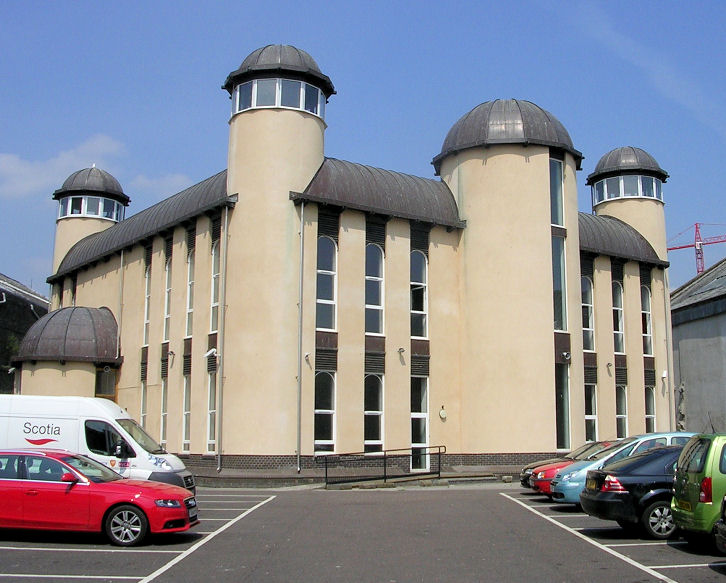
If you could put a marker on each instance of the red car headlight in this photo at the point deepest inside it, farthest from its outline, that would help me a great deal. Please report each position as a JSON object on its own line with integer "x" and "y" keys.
{"x": 168, "y": 503}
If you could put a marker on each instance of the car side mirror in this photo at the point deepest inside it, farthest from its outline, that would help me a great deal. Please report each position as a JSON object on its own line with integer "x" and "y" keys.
{"x": 69, "y": 477}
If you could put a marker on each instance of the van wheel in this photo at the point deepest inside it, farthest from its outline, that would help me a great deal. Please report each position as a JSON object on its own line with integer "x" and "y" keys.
{"x": 657, "y": 520}
{"x": 126, "y": 525}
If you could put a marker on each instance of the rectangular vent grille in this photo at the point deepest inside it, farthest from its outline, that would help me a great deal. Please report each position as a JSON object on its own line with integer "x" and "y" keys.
{"x": 420, "y": 366}
{"x": 326, "y": 359}
{"x": 375, "y": 362}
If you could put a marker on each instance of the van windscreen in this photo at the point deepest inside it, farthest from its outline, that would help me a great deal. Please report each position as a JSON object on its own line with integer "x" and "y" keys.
{"x": 140, "y": 436}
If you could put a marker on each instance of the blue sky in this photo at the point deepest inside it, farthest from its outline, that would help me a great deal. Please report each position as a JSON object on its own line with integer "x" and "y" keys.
{"x": 134, "y": 87}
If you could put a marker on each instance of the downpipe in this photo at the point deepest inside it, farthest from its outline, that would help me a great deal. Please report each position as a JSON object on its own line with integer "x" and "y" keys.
{"x": 220, "y": 343}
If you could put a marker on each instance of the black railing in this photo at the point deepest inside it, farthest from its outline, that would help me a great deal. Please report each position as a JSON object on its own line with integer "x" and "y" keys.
{"x": 390, "y": 464}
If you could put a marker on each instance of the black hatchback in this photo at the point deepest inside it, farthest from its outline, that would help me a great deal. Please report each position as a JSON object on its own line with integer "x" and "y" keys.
{"x": 635, "y": 491}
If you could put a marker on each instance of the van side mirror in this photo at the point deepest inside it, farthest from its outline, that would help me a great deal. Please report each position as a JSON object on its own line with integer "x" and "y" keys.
{"x": 121, "y": 450}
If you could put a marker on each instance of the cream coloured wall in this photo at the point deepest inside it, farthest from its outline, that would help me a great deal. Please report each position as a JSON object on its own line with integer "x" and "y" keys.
{"x": 53, "y": 378}
{"x": 604, "y": 347}
{"x": 662, "y": 349}
{"x": 70, "y": 230}
{"x": 646, "y": 215}
{"x": 506, "y": 297}
{"x": 634, "y": 348}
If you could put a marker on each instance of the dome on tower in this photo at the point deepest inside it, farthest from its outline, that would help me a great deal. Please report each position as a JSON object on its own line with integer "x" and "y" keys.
{"x": 626, "y": 160}
{"x": 280, "y": 61}
{"x": 92, "y": 181}
{"x": 506, "y": 121}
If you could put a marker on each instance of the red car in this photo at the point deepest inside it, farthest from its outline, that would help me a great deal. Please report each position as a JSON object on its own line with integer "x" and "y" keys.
{"x": 541, "y": 477}
{"x": 58, "y": 490}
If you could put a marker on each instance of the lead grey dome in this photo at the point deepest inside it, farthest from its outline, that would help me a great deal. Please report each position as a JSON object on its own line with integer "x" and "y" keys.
{"x": 506, "y": 121}
{"x": 280, "y": 61}
{"x": 92, "y": 181}
{"x": 73, "y": 334}
{"x": 626, "y": 160}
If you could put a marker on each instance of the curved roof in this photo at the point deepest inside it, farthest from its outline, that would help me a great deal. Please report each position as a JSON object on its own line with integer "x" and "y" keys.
{"x": 506, "y": 121}
{"x": 92, "y": 180}
{"x": 627, "y": 160}
{"x": 195, "y": 200}
{"x": 74, "y": 334}
{"x": 383, "y": 192}
{"x": 277, "y": 61}
{"x": 605, "y": 235}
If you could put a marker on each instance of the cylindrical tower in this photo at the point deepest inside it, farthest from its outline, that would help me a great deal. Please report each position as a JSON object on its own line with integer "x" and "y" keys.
{"x": 627, "y": 184}
{"x": 276, "y": 145}
{"x": 90, "y": 200}
{"x": 511, "y": 166}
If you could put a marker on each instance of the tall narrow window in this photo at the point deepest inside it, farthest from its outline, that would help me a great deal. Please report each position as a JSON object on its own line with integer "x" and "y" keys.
{"x": 212, "y": 412}
{"x": 645, "y": 318}
{"x": 590, "y": 412}
{"x": 147, "y": 303}
{"x": 164, "y": 410}
{"x": 558, "y": 283}
{"x": 190, "y": 293}
{"x": 167, "y": 299}
{"x": 562, "y": 405}
{"x": 324, "y": 411}
{"x": 419, "y": 299}
{"x": 186, "y": 413}
{"x": 649, "y": 409}
{"x": 373, "y": 414}
{"x": 621, "y": 411}
{"x": 144, "y": 397}
{"x": 588, "y": 319}
{"x": 326, "y": 284}
{"x": 618, "y": 330}
{"x": 419, "y": 423}
{"x": 557, "y": 214}
{"x": 214, "y": 310}
{"x": 374, "y": 289}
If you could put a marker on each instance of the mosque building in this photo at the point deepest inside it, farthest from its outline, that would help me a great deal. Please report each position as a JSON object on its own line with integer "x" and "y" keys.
{"x": 296, "y": 304}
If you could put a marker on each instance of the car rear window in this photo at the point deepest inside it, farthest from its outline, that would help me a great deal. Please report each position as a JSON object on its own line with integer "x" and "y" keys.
{"x": 722, "y": 463}
{"x": 693, "y": 456}
{"x": 654, "y": 462}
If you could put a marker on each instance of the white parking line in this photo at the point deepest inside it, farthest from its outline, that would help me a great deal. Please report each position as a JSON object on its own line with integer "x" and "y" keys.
{"x": 649, "y": 544}
{"x": 57, "y": 577}
{"x": 714, "y": 564}
{"x": 636, "y": 564}
{"x": 202, "y": 542}
{"x": 78, "y": 550}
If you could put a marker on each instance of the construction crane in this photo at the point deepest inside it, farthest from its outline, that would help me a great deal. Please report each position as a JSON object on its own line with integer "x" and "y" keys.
{"x": 698, "y": 243}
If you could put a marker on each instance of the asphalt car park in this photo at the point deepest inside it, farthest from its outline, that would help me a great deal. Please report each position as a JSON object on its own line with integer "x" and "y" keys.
{"x": 474, "y": 532}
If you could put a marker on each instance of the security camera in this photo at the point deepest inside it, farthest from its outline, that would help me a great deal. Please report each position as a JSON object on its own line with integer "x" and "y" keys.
{"x": 566, "y": 355}
{"x": 210, "y": 352}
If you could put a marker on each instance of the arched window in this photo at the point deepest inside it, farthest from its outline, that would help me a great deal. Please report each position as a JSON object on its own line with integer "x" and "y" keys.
{"x": 590, "y": 412}
{"x": 621, "y": 411}
{"x": 147, "y": 303}
{"x": 373, "y": 414}
{"x": 374, "y": 289}
{"x": 190, "y": 293}
{"x": 618, "y": 328}
{"x": 649, "y": 409}
{"x": 324, "y": 411}
{"x": 588, "y": 318}
{"x": 419, "y": 299}
{"x": 559, "y": 283}
{"x": 419, "y": 423}
{"x": 326, "y": 284}
{"x": 167, "y": 299}
{"x": 645, "y": 318}
{"x": 216, "y": 269}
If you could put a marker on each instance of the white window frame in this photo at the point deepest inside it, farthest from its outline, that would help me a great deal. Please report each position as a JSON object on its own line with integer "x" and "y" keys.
{"x": 621, "y": 415}
{"x": 167, "y": 298}
{"x": 334, "y": 275}
{"x": 164, "y": 411}
{"x": 144, "y": 403}
{"x": 588, "y": 315}
{"x": 646, "y": 320}
{"x": 328, "y": 445}
{"x": 211, "y": 412}
{"x": 562, "y": 281}
{"x": 214, "y": 291}
{"x": 650, "y": 420}
{"x": 602, "y": 185}
{"x": 591, "y": 418}
{"x": 186, "y": 413}
{"x": 424, "y": 415}
{"x": 301, "y": 106}
{"x": 147, "y": 304}
{"x": 618, "y": 317}
{"x": 65, "y": 205}
{"x": 373, "y": 446}
{"x": 190, "y": 293}
{"x": 557, "y": 199}
{"x": 420, "y": 285}
{"x": 376, "y": 280}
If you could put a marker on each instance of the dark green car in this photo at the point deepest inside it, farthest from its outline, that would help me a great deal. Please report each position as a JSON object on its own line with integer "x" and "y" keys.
{"x": 699, "y": 483}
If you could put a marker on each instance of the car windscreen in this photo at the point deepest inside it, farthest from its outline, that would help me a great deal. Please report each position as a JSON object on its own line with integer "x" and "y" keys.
{"x": 603, "y": 453}
{"x": 92, "y": 469}
{"x": 140, "y": 436}
{"x": 582, "y": 450}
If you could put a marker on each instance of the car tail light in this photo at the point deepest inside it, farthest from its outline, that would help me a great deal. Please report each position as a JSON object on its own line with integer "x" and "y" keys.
{"x": 612, "y": 484}
{"x": 706, "y": 494}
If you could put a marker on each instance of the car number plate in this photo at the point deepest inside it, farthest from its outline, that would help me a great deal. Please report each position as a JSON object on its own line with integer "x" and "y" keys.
{"x": 192, "y": 514}
{"x": 684, "y": 504}
{"x": 590, "y": 484}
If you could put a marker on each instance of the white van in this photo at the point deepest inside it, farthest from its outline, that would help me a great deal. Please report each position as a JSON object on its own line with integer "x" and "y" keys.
{"x": 95, "y": 427}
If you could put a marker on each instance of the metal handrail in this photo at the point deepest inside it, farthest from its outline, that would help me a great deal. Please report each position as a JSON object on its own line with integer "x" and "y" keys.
{"x": 384, "y": 461}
